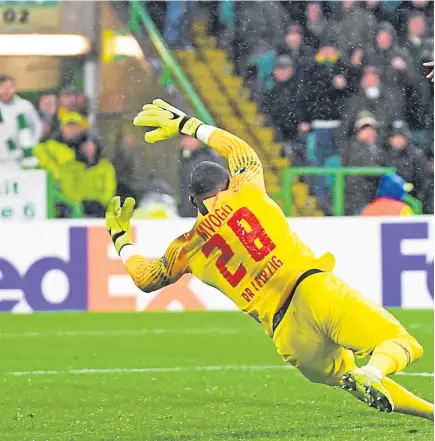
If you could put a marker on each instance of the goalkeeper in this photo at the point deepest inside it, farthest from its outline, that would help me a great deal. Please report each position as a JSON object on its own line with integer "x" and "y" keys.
{"x": 242, "y": 245}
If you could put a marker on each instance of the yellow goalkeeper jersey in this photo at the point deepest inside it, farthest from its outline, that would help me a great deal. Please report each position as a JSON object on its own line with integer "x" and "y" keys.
{"x": 244, "y": 246}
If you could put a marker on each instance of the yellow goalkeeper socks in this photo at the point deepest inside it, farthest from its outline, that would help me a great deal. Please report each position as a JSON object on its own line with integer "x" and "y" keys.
{"x": 408, "y": 403}
{"x": 392, "y": 356}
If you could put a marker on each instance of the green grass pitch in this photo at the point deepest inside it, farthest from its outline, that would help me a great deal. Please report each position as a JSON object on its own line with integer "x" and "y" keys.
{"x": 180, "y": 376}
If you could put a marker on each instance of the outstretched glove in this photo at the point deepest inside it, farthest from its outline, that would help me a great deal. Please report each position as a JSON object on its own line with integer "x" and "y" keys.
{"x": 118, "y": 221}
{"x": 168, "y": 121}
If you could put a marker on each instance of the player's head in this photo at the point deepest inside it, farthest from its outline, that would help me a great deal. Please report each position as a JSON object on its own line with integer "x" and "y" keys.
{"x": 207, "y": 180}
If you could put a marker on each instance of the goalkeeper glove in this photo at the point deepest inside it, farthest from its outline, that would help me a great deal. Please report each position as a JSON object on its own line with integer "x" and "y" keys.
{"x": 118, "y": 221}
{"x": 168, "y": 121}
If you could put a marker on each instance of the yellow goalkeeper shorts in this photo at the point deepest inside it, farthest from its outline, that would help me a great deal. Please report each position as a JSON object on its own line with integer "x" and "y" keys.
{"x": 326, "y": 323}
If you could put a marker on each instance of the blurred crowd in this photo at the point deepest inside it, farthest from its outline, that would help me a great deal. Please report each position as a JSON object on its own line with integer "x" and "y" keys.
{"x": 342, "y": 82}
{"x": 55, "y": 135}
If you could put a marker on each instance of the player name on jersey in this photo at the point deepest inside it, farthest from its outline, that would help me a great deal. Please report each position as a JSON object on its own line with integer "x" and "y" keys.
{"x": 213, "y": 221}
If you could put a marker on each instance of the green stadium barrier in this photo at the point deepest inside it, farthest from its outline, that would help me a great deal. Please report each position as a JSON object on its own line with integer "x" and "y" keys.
{"x": 289, "y": 175}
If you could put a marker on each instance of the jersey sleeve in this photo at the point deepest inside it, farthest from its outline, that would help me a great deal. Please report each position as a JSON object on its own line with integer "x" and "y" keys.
{"x": 244, "y": 164}
{"x": 151, "y": 275}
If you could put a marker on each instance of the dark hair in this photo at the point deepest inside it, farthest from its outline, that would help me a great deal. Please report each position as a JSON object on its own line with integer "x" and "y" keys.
{"x": 4, "y": 78}
{"x": 207, "y": 179}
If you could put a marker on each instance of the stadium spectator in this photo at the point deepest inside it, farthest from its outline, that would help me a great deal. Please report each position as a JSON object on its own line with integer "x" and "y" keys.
{"x": 90, "y": 153}
{"x": 364, "y": 151}
{"x": 283, "y": 103}
{"x": 20, "y": 127}
{"x": 72, "y": 130}
{"x": 327, "y": 83}
{"x": 257, "y": 23}
{"x": 409, "y": 161}
{"x": 416, "y": 41}
{"x": 375, "y": 98}
{"x": 295, "y": 47}
{"x": 394, "y": 63}
{"x": 179, "y": 15}
{"x": 380, "y": 11}
{"x": 192, "y": 152}
{"x": 354, "y": 27}
{"x": 390, "y": 198}
{"x": 47, "y": 109}
{"x": 72, "y": 99}
{"x": 408, "y": 8}
{"x": 317, "y": 28}
{"x": 67, "y": 101}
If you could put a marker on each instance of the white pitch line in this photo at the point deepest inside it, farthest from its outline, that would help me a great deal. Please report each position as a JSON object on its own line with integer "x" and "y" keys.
{"x": 191, "y": 331}
{"x": 179, "y": 369}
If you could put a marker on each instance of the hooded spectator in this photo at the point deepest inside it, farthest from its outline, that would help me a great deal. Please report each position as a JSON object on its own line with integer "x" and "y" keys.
{"x": 284, "y": 101}
{"x": 317, "y": 28}
{"x": 417, "y": 42}
{"x": 408, "y": 161}
{"x": 375, "y": 98}
{"x": 394, "y": 63}
{"x": 409, "y": 8}
{"x": 364, "y": 151}
{"x": 295, "y": 47}
{"x": 354, "y": 28}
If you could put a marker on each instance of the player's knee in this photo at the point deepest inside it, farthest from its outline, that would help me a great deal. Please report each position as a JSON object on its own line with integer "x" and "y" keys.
{"x": 416, "y": 348}
{"x": 412, "y": 348}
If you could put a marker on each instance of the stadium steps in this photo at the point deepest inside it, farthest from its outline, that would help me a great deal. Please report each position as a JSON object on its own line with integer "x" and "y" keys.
{"x": 212, "y": 73}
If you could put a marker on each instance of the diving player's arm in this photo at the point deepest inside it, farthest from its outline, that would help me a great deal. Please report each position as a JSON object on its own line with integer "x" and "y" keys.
{"x": 244, "y": 164}
{"x": 151, "y": 275}
{"x": 167, "y": 121}
{"x": 148, "y": 275}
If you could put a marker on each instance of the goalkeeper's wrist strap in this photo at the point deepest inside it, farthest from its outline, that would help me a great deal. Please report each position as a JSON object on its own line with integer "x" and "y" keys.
{"x": 189, "y": 126}
{"x": 121, "y": 238}
{"x": 127, "y": 251}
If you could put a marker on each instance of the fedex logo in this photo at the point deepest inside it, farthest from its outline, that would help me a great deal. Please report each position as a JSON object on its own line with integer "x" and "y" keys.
{"x": 89, "y": 277}
{"x": 399, "y": 261}
{"x": 29, "y": 285}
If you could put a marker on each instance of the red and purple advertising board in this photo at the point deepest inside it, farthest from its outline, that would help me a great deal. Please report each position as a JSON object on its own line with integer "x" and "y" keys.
{"x": 59, "y": 265}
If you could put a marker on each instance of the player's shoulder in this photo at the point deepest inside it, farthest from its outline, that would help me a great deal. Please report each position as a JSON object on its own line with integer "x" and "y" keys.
{"x": 242, "y": 187}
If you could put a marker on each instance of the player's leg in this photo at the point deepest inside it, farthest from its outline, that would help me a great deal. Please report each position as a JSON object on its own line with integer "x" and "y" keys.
{"x": 301, "y": 341}
{"x": 406, "y": 402}
{"x": 366, "y": 328}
